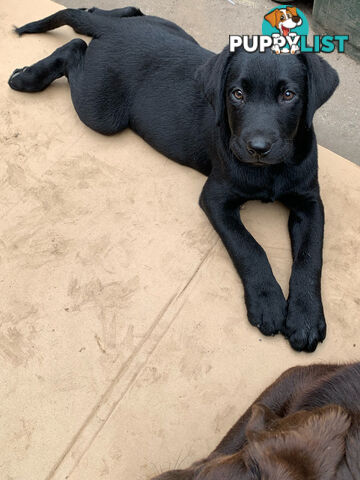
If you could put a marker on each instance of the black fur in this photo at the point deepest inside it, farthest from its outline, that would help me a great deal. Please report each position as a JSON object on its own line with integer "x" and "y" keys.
{"x": 146, "y": 73}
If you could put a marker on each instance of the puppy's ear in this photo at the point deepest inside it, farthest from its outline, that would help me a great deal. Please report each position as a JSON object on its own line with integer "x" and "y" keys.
{"x": 322, "y": 81}
{"x": 272, "y": 18}
{"x": 212, "y": 77}
{"x": 261, "y": 419}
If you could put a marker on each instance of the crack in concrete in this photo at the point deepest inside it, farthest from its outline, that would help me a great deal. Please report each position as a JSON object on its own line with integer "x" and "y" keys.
{"x": 63, "y": 469}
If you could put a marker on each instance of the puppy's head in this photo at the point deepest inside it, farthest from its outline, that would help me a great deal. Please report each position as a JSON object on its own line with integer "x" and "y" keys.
{"x": 308, "y": 445}
{"x": 264, "y": 101}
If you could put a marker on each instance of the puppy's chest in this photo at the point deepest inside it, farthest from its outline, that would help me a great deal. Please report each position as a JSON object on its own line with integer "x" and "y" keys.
{"x": 266, "y": 188}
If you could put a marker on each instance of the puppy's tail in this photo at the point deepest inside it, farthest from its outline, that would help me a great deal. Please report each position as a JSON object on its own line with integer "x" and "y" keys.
{"x": 81, "y": 21}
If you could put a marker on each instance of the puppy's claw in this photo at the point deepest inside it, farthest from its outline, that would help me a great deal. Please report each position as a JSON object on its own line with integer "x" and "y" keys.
{"x": 17, "y": 30}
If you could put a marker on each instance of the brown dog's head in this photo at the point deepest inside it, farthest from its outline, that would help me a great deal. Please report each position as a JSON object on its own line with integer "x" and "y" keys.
{"x": 308, "y": 445}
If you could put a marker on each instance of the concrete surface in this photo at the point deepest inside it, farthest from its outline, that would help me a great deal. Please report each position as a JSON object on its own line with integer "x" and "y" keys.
{"x": 211, "y": 21}
{"x": 124, "y": 344}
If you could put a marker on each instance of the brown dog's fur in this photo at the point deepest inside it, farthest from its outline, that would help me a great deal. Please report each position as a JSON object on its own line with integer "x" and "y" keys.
{"x": 305, "y": 426}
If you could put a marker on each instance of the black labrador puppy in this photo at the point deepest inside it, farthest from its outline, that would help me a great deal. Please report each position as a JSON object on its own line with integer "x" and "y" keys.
{"x": 305, "y": 426}
{"x": 244, "y": 120}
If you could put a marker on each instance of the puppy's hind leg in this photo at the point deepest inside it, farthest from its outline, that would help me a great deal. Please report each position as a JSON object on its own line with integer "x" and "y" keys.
{"x": 81, "y": 21}
{"x": 39, "y": 76}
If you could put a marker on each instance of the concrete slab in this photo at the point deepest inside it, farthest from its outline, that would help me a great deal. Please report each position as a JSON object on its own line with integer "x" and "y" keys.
{"x": 211, "y": 364}
{"x": 123, "y": 332}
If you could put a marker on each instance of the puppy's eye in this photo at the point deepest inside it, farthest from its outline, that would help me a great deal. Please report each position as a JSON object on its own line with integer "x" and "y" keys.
{"x": 282, "y": 17}
{"x": 287, "y": 95}
{"x": 238, "y": 94}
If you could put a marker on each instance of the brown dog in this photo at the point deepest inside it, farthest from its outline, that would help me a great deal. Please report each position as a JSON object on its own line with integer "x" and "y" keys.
{"x": 305, "y": 426}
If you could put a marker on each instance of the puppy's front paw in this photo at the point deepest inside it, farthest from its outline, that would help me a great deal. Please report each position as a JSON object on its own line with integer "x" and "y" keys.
{"x": 266, "y": 308}
{"x": 19, "y": 79}
{"x": 305, "y": 329}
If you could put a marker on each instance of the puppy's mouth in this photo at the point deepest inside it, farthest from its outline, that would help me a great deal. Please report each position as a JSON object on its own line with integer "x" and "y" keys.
{"x": 258, "y": 163}
{"x": 242, "y": 157}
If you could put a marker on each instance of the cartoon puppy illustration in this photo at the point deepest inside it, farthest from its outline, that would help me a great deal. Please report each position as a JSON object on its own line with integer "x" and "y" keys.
{"x": 284, "y": 19}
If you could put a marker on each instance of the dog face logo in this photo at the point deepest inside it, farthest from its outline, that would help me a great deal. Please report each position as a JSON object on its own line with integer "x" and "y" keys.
{"x": 285, "y": 24}
{"x": 284, "y": 19}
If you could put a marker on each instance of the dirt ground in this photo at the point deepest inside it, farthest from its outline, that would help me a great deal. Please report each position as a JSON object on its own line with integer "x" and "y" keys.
{"x": 124, "y": 344}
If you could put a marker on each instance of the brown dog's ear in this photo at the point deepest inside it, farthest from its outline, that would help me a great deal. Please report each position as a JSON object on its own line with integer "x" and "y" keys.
{"x": 309, "y": 443}
{"x": 325, "y": 432}
{"x": 212, "y": 77}
{"x": 352, "y": 451}
{"x": 322, "y": 81}
{"x": 261, "y": 419}
{"x": 322, "y": 437}
{"x": 273, "y": 18}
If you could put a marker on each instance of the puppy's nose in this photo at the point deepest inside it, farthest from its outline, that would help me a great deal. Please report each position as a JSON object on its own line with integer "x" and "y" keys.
{"x": 258, "y": 146}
